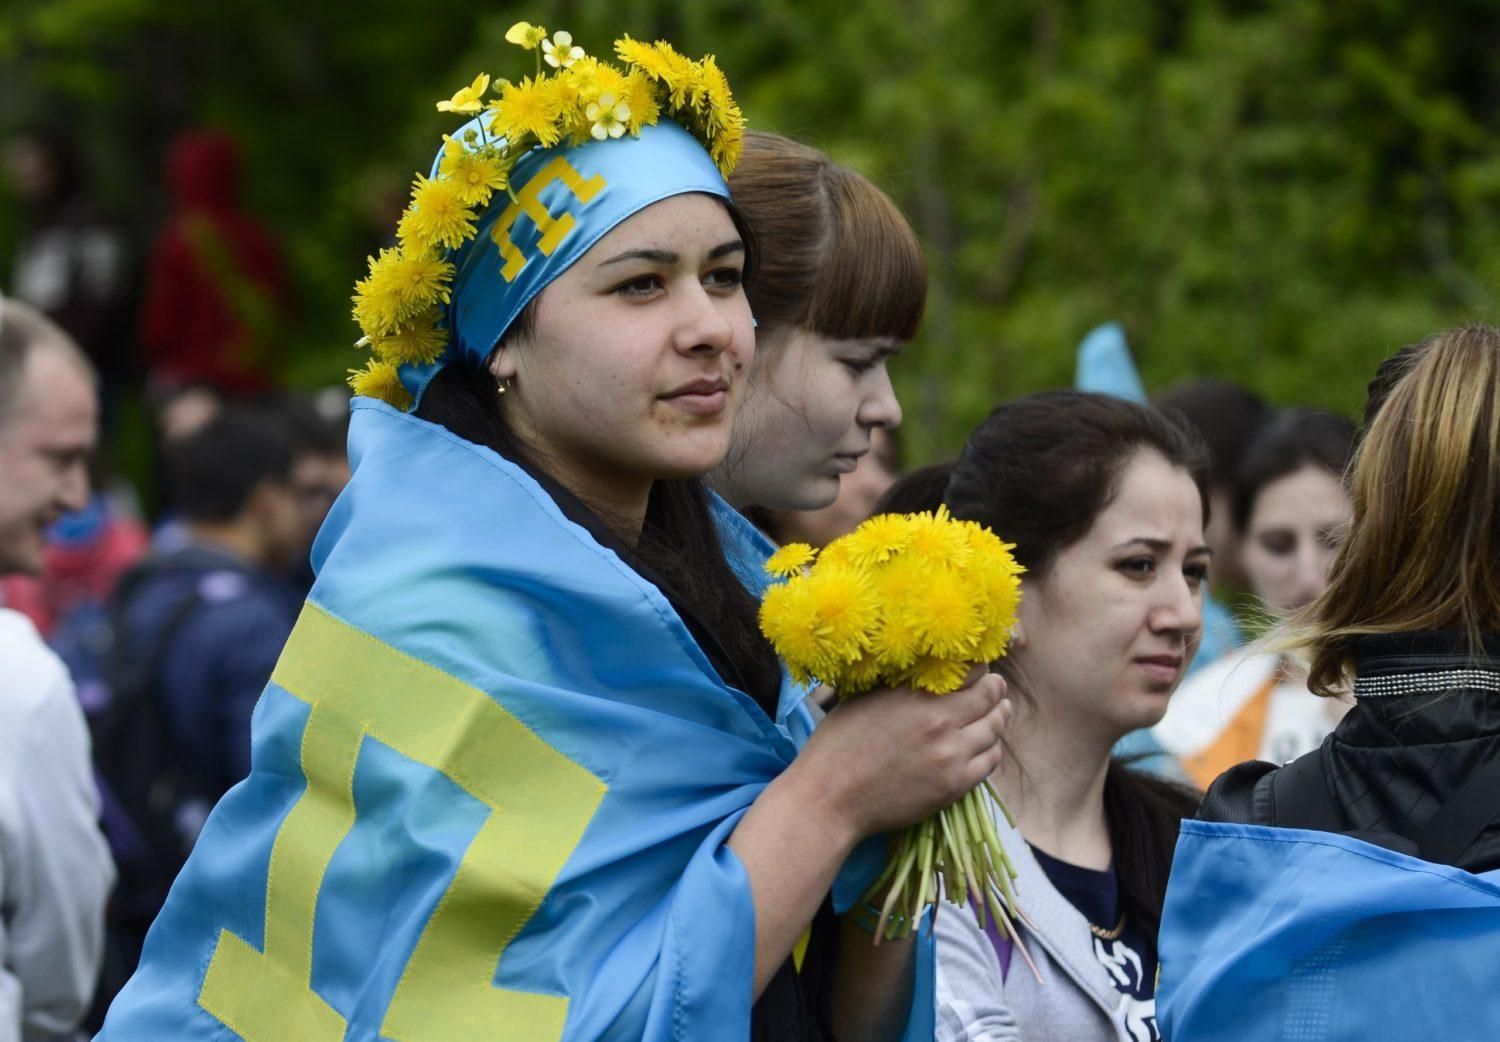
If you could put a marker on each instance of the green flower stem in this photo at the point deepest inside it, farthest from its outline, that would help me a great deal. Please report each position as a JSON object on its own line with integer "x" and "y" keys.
{"x": 902, "y": 874}
{"x": 959, "y": 848}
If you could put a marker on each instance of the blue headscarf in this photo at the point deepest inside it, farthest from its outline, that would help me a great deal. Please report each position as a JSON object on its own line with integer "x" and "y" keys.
{"x": 568, "y": 199}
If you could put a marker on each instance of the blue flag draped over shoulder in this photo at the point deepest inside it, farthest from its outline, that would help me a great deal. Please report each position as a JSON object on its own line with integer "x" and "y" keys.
{"x": 1286, "y": 935}
{"x": 492, "y": 781}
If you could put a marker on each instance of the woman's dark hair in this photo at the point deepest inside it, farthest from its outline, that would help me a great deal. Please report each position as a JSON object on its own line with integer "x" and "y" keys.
{"x": 1294, "y": 439}
{"x": 1039, "y": 471}
{"x": 921, "y": 489}
{"x": 1144, "y": 813}
{"x": 678, "y": 543}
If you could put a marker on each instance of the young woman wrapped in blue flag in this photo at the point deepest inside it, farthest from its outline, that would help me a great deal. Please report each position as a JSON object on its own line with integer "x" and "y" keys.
{"x": 526, "y": 769}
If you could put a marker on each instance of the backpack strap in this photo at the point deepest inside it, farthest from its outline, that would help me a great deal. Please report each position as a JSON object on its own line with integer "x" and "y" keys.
{"x": 1466, "y": 813}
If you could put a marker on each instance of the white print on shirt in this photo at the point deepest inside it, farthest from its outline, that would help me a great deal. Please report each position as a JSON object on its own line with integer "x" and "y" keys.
{"x": 1126, "y": 973}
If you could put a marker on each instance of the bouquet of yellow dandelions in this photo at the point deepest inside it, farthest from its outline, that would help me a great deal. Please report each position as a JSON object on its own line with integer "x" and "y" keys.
{"x": 913, "y": 599}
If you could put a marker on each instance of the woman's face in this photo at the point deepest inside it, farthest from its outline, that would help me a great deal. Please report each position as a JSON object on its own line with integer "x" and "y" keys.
{"x": 807, "y": 421}
{"x": 1296, "y": 526}
{"x": 858, "y": 493}
{"x": 637, "y": 357}
{"x": 1106, "y": 632}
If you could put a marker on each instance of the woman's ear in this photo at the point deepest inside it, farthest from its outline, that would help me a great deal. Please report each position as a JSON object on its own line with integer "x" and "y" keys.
{"x": 502, "y": 365}
{"x": 1018, "y": 635}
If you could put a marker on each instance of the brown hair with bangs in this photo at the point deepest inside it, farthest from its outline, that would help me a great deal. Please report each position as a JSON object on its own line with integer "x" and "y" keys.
{"x": 1423, "y": 551}
{"x": 835, "y": 255}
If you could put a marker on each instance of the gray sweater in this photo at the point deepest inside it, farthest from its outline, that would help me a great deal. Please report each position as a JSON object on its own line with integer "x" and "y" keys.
{"x": 1075, "y": 1001}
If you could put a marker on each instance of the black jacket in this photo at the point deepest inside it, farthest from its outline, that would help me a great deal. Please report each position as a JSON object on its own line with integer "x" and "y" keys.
{"x": 1423, "y": 737}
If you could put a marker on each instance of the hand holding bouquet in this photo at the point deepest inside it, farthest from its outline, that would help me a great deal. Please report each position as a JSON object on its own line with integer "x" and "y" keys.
{"x": 916, "y": 600}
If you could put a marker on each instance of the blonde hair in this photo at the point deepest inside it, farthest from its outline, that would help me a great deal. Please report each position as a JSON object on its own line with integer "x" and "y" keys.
{"x": 1423, "y": 551}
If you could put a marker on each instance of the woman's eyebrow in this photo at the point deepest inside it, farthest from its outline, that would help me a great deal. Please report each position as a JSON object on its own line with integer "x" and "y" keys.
{"x": 1161, "y": 546}
{"x": 655, "y": 256}
{"x": 670, "y": 257}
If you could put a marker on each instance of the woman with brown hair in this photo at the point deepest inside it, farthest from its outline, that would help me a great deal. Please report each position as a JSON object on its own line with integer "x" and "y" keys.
{"x": 1401, "y": 797}
{"x": 840, "y": 289}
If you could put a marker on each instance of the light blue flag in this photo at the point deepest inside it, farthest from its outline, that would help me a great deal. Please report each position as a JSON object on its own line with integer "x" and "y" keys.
{"x": 1105, "y": 365}
{"x": 1287, "y": 935}
{"x": 493, "y": 779}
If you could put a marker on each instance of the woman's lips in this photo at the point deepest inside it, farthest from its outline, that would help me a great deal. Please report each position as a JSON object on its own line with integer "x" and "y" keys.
{"x": 700, "y": 403}
{"x": 705, "y": 396}
{"x": 1162, "y": 668}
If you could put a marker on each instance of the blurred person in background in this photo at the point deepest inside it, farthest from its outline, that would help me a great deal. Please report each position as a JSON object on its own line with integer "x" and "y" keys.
{"x": 73, "y": 263}
{"x": 320, "y": 465}
{"x": 1229, "y": 418}
{"x": 217, "y": 291}
{"x": 1105, "y": 500}
{"x": 1373, "y": 904}
{"x": 55, "y": 869}
{"x": 1291, "y": 512}
{"x": 198, "y": 630}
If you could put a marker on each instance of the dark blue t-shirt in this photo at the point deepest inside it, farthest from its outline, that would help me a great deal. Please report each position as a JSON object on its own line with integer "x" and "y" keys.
{"x": 1130, "y": 958}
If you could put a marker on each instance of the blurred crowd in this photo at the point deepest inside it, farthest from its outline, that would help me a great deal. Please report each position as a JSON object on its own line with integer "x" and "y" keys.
{"x": 165, "y": 599}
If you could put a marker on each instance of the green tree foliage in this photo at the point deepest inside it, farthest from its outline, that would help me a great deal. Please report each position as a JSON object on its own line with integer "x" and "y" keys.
{"x": 1278, "y": 193}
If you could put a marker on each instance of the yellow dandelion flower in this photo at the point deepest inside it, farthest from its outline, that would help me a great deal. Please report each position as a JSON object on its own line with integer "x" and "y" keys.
{"x": 381, "y": 380}
{"x": 938, "y": 538}
{"x": 999, "y": 590}
{"x": 948, "y": 614}
{"x": 661, "y": 61}
{"x": 848, "y": 610}
{"x": 418, "y": 342}
{"x": 898, "y": 641}
{"x": 466, "y": 99}
{"x": 790, "y": 560}
{"x": 531, "y": 107}
{"x": 729, "y": 144}
{"x": 591, "y": 77}
{"x": 836, "y": 554}
{"x": 789, "y": 619}
{"x": 714, "y": 100}
{"x": 400, "y": 284}
{"x": 524, "y": 34}
{"x": 899, "y": 579}
{"x": 858, "y": 677}
{"x": 421, "y": 279}
{"x": 437, "y": 216}
{"x": 639, "y": 92}
{"x": 937, "y": 675}
{"x": 475, "y": 176}
{"x": 880, "y": 538}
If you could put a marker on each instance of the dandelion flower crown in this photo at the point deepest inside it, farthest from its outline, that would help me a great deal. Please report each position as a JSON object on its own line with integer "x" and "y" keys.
{"x": 402, "y": 305}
